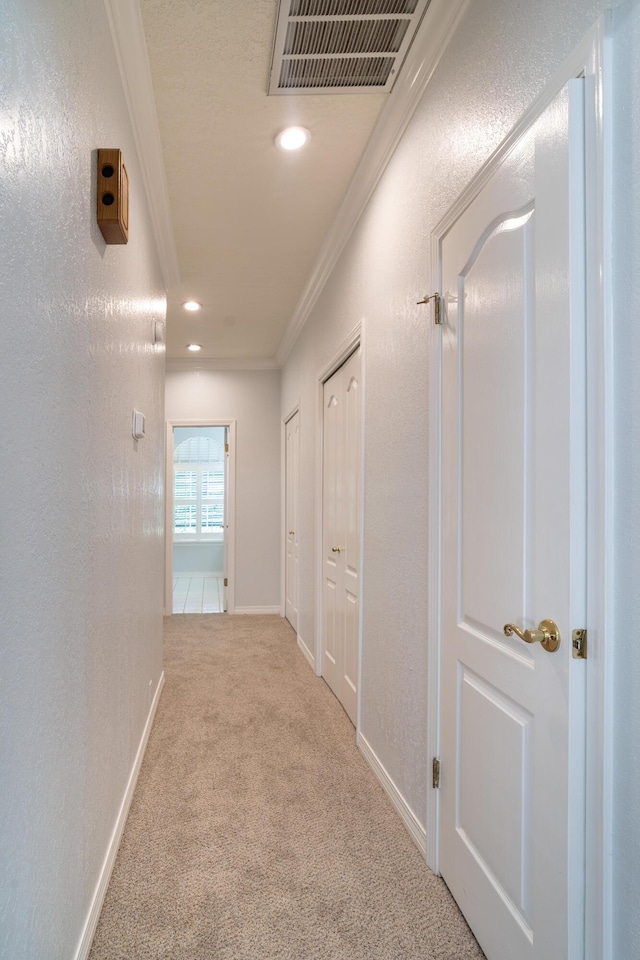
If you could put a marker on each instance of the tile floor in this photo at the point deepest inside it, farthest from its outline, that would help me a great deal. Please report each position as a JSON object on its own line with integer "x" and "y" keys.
{"x": 196, "y": 593}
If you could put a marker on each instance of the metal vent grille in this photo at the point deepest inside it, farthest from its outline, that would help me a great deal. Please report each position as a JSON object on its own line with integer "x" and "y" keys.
{"x": 311, "y": 37}
{"x": 331, "y": 74}
{"x": 336, "y": 46}
{"x": 349, "y": 8}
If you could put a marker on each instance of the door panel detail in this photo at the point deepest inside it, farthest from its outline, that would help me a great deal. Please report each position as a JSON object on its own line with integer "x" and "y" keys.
{"x": 493, "y": 468}
{"x": 492, "y": 825}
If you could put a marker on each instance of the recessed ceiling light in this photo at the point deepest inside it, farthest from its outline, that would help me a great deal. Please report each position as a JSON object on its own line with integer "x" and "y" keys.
{"x": 194, "y": 347}
{"x": 293, "y": 138}
{"x": 192, "y": 305}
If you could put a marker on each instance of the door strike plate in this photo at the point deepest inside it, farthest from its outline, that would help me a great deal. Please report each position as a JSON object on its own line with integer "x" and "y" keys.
{"x": 436, "y": 773}
{"x": 437, "y": 313}
{"x": 579, "y": 644}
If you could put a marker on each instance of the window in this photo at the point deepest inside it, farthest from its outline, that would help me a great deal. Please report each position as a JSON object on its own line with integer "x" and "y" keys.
{"x": 198, "y": 470}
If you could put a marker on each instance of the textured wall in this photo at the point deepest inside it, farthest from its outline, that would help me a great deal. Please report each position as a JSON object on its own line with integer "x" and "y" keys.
{"x": 252, "y": 399}
{"x": 499, "y": 60}
{"x": 80, "y": 502}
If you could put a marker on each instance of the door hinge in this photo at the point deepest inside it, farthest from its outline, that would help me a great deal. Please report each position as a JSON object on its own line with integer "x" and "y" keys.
{"x": 226, "y": 581}
{"x": 579, "y": 644}
{"x": 226, "y": 448}
{"x": 436, "y": 773}
{"x": 437, "y": 309}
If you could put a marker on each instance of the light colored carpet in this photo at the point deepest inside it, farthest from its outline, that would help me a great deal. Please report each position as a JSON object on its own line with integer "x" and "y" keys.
{"x": 257, "y": 830}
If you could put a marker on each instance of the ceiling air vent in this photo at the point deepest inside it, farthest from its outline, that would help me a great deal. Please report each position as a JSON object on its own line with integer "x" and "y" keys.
{"x": 342, "y": 46}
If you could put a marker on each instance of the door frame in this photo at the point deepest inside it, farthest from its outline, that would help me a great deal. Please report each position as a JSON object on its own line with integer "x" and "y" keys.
{"x": 354, "y": 340}
{"x": 283, "y": 503}
{"x": 230, "y": 531}
{"x": 589, "y": 59}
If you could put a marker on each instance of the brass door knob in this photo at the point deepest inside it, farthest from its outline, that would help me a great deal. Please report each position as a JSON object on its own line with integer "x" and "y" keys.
{"x": 336, "y": 549}
{"x": 547, "y": 634}
{"x": 292, "y": 533}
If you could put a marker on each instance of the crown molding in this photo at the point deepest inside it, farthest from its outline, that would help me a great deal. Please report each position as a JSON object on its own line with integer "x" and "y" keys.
{"x": 127, "y": 31}
{"x": 186, "y": 364}
{"x": 434, "y": 33}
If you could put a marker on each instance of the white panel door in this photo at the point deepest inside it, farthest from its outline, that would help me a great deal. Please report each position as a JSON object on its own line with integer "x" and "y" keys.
{"x": 292, "y": 448}
{"x": 341, "y": 533}
{"x": 225, "y": 523}
{"x": 514, "y": 467}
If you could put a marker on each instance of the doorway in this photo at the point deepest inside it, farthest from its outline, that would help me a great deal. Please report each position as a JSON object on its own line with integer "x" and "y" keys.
{"x": 199, "y": 517}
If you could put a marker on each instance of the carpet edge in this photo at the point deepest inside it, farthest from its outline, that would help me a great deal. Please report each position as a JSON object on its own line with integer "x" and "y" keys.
{"x": 311, "y": 660}
{"x": 415, "y": 829}
{"x": 91, "y": 923}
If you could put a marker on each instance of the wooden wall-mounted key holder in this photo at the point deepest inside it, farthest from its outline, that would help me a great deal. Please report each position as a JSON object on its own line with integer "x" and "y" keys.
{"x": 113, "y": 197}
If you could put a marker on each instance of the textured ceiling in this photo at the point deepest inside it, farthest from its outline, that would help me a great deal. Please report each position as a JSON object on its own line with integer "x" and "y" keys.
{"x": 249, "y": 219}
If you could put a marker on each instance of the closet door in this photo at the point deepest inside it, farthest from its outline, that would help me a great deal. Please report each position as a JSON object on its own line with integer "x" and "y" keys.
{"x": 341, "y": 533}
{"x": 292, "y": 446}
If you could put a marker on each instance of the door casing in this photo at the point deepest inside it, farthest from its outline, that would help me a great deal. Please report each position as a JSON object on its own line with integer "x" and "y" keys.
{"x": 231, "y": 511}
{"x": 589, "y": 60}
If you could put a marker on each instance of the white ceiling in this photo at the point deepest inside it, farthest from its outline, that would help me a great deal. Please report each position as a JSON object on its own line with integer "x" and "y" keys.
{"x": 249, "y": 219}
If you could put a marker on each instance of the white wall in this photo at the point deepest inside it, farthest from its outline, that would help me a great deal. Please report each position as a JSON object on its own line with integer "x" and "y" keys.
{"x": 251, "y": 397}
{"x": 626, "y": 600}
{"x": 81, "y": 517}
{"x": 501, "y": 57}
{"x": 198, "y": 558}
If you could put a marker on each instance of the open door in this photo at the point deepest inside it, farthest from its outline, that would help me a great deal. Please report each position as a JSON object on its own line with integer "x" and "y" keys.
{"x": 512, "y": 776}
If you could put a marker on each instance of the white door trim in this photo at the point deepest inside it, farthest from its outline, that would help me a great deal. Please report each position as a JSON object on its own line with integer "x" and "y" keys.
{"x": 590, "y": 60}
{"x": 230, "y": 532}
{"x": 283, "y": 503}
{"x": 348, "y": 346}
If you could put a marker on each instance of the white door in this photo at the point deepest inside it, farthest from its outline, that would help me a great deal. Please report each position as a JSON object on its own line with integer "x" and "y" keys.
{"x": 341, "y": 536}
{"x": 225, "y": 523}
{"x": 292, "y": 447}
{"x": 513, "y": 522}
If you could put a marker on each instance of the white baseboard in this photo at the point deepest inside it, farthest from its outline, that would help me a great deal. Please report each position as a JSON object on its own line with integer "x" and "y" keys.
{"x": 309, "y": 656}
{"x": 256, "y": 610}
{"x": 105, "y": 874}
{"x": 416, "y": 831}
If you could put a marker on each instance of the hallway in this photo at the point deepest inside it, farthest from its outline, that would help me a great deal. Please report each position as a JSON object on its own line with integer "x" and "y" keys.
{"x": 257, "y": 829}
{"x": 263, "y": 825}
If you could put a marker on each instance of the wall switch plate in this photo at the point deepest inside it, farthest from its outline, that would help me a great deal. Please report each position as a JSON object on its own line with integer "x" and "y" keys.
{"x": 138, "y": 425}
{"x": 158, "y": 331}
